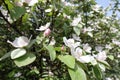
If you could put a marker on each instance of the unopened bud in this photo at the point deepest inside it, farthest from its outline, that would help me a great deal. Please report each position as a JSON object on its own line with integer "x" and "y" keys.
{"x": 47, "y": 32}
{"x": 63, "y": 48}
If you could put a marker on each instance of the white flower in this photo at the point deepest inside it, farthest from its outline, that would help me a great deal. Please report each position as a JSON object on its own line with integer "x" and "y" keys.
{"x": 76, "y": 52}
{"x": 108, "y": 46}
{"x": 76, "y": 21}
{"x": 52, "y": 42}
{"x": 66, "y": 16}
{"x": 118, "y": 56}
{"x": 21, "y": 41}
{"x": 18, "y": 74}
{"x": 70, "y": 42}
{"x": 31, "y": 2}
{"x": 42, "y": 28}
{"x": 48, "y": 10}
{"x": 87, "y": 48}
{"x": 96, "y": 8}
{"x": 19, "y": 3}
{"x": 75, "y": 37}
{"x": 101, "y": 56}
{"x": 108, "y": 79}
{"x": 86, "y": 59}
{"x": 116, "y": 42}
{"x": 99, "y": 48}
{"x": 88, "y": 29}
{"x": 113, "y": 30}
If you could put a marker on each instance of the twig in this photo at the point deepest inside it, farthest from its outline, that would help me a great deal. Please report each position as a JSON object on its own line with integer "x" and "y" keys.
{"x": 10, "y": 25}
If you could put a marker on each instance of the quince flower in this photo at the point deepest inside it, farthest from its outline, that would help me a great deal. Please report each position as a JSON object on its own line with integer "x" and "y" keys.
{"x": 76, "y": 21}
{"x": 19, "y": 3}
{"x": 87, "y": 48}
{"x": 99, "y": 48}
{"x": 19, "y": 42}
{"x": 70, "y": 42}
{"x": 86, "y": 59}
{"x": 52, "y": 42}
{"x": 101, "y": 56}
{"x": 75, "y": 37}
{"x": 76, "y": 52}
{"x": 116, "y": 42}
{"x": 30, "y": 2}
{"x": 46, "y": 29}
{"x": 42, "y": 28}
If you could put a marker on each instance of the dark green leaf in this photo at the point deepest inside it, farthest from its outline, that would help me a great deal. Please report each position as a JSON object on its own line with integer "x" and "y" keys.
{"x": 97, "y": 72}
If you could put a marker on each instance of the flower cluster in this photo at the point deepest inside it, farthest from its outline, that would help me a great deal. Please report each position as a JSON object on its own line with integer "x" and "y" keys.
{"x": 82, "y": 51}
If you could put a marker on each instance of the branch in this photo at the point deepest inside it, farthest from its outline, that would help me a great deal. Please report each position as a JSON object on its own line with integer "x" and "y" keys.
{"x": 10, "y": 25}
{"x": 6, "y": 6}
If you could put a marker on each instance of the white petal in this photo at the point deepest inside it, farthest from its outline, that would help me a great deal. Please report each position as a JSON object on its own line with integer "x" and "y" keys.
{"x": 32, "y": 2}
{"x": 76, "y": 21}
{"x": 99, "y": 48}
{"x": 85, "y": 59}
{"x": 101, "y": 56}
{"x": 42, "y": 28}
{"x": 69, "y": 42}
{"x": 20, "y": 42}
{"x": 76, "y": 37}
{"x": 87, "y": 48}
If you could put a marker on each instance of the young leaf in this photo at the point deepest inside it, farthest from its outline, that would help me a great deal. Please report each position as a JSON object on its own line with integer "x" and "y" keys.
{"x": 77, "y": 73}
{"x": 5, "y": 56}
{"x": 106, "y": 64}
{"x": 17, "y": 53}
{"x": 25, "y": 60}
{"x": 51, "y": 51}
{"x": 68, "y": 60}
{"x": 97, "y": 72}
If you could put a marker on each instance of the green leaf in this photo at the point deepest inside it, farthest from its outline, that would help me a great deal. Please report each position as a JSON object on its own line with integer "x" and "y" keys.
{"x": 36, "y": 20}
{"x": 17, "y": 53}
{"x": 106, "y": 64}
{"x": 16, "y": 12}
{"x": 25, "y": 60}
{"x": 68, "y": 60}
{"x": 77, "y": 73}
{"x": 31, "y": 43}
{"x": 97, "y": 72}
{"x": 83, "y": 66}
{"x": 51, "y": 51}
{"x": 5, "y": 56}
{"x": 77, "y": 29}
{"x": 111, "y": 57}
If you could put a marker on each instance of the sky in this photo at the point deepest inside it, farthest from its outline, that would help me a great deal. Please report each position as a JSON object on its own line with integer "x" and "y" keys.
{"x": 104, "y": 4}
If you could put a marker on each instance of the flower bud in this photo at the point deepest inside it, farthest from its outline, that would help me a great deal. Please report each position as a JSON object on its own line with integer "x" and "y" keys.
{"x": 63, "y": 48}
{"x": 47, "y": 32}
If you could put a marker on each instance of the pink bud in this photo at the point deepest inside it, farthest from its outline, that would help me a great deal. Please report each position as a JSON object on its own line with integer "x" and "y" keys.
{"x": 63, "y": 48}
{"x": 47, "y": 32}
